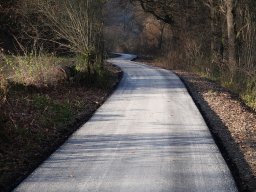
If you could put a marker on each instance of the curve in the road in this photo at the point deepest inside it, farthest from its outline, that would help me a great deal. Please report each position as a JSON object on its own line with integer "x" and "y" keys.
{"x": 148, "y": 137}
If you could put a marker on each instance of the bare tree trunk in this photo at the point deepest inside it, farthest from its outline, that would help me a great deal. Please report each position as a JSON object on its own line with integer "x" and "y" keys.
{"x": 160, "y": 42}
{"x": 212, "y": 17}
{"x": 231, "y": 35}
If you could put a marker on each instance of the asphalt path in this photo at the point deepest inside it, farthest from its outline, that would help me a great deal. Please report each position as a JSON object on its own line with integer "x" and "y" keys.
{"x": 147, "y": 137}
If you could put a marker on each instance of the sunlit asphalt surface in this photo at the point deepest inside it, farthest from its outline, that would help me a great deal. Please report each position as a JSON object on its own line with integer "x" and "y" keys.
{"x": 147, "y": 137}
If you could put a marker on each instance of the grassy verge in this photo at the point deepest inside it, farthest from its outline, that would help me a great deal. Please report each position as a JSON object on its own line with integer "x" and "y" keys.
{"x": 40, "y": 113}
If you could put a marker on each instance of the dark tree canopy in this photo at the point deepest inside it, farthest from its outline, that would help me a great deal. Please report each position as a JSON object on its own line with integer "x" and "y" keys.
{"x": 162, "y": 10}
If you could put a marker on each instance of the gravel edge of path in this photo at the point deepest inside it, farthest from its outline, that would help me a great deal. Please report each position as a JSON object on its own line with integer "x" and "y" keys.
{"x": 230, "y": 150}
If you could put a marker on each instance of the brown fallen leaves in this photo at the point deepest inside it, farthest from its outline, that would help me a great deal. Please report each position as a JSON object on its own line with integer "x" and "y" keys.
{"x": 238, "y": 119}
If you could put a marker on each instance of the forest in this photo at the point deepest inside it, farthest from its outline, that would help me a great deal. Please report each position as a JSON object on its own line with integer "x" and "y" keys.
{"x": 53, "y": 62}
{"x": 215, "y": 38}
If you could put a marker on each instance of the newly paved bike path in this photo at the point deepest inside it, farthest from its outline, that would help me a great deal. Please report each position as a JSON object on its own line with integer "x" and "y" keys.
{"x": 147, "y": 137}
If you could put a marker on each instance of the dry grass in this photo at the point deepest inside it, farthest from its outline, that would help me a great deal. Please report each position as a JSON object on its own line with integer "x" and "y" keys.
{"x": 32, "y": 69}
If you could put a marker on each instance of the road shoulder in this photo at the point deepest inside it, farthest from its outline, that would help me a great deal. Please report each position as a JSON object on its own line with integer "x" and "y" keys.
{"x": 231, "y": 123}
